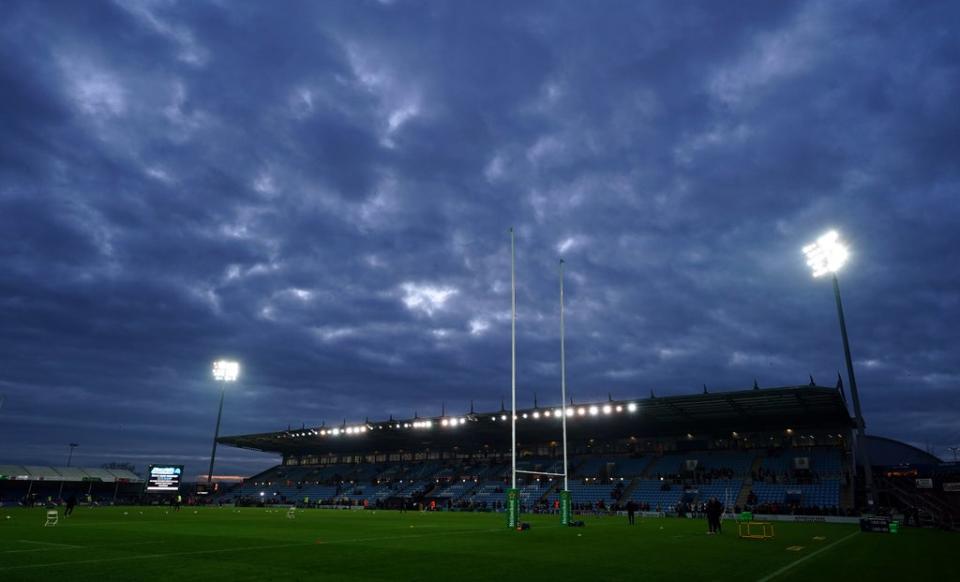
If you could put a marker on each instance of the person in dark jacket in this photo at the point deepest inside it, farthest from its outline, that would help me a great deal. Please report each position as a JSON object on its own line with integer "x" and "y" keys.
{"x": 631, "y": 512}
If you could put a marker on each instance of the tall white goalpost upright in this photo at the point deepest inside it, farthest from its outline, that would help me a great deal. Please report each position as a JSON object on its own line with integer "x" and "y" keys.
{"x": 513, "y": 496}
{"x": 565, "y": 494}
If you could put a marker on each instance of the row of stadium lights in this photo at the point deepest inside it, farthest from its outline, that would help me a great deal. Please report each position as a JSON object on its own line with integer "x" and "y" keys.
{"x": 594, "y": 410}
{"x": 581, "y": 411}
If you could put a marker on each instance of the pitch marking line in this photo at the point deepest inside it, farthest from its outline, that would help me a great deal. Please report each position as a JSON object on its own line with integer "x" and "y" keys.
{"x": 51, "y": 544}
{"x": 65, "y": 547}
{"x": 776, "y": 573}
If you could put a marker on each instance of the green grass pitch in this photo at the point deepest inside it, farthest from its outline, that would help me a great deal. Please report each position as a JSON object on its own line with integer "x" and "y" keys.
{"x": 150, "y": 543}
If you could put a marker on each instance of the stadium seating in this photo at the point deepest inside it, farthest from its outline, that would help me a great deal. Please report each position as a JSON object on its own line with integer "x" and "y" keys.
{"x": 488, "y": 492}
{"x": 738, "y": 462}
{"x": 825, "y": 463}
{"x": 726, "y": 490}
{"x": 823, "y": 494}
{"x": 650, "y": 491}
{"x": 587, "y": 493}
{"x": 456, "y": 490}
{"x": 631, "y": 467}
{"x": 668, "y": 464}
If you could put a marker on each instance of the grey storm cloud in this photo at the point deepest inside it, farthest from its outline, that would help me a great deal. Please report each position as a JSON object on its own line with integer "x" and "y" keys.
{"x": 324, "y": 190}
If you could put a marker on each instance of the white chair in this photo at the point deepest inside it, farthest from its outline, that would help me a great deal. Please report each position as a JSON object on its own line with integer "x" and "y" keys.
{"x": 53, "y": 518}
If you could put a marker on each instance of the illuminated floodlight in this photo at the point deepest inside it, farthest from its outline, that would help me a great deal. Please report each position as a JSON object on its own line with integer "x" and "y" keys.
{"x": 524, "y": 414}
{"x": 619, "y": 408}
{"x": 463, "y": 421}
{"x": 571, "y": 412}
{"x": 546, "y": 413}
{"x": 503, "y": 417}
{"x": 827, "y": 254}
{"x": 581, "y": 411}
{"x": 607, "y": 409}
{"x": 226, "y": 371}
{"x": 444, "y": 422}
{"x": 323, "y": 433}
{"x": 536, "y": 415}
{"x": 594, "y": 410}
{"x": 632, "y": 407}
{"x": 335, "y": 432}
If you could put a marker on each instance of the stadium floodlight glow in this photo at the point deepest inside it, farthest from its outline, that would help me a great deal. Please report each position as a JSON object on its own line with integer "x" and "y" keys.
{"x": 607, "y": 409}
{"x": 571, "y": 412}
{"x": 594, "y": 410}
{"x": 631, "y": 407}
{"x": 503, "y": 417}
{"x": 827, "y": 254}
{"x": 619, "y": 408}
{"x": 226, "y": 371}
{"x": 546, "y": 413}
{"x": 444, "y": 422}
{"x": 463, "y": 421}
{"x": 581, "y": 411}
{"x": 536, "y": 415}
{"x": 524, "y": 414}
{"x": 223, "y": 371}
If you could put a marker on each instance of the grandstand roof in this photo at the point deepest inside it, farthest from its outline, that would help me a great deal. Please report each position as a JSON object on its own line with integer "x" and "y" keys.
{"x": 702, "y": 416}
{"x": 75, "y": 474}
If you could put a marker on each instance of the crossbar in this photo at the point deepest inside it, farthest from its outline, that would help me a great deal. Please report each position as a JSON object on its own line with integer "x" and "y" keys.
{"x": 540, "y": 473}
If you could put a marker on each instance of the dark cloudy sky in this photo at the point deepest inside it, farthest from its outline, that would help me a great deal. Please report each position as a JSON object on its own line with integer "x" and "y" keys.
{"x": 323, "y": 191}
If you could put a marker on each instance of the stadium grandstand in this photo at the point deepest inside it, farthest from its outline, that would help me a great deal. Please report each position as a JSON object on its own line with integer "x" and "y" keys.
{"x": 775, "y": 450}
{"x": 32, "y": 484}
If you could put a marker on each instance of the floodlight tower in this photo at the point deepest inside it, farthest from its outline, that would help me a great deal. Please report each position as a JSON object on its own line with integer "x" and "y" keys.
{"x": 223, "y": 371}
{"x": 70, "y": 454}
{"x": 827, "y": 255}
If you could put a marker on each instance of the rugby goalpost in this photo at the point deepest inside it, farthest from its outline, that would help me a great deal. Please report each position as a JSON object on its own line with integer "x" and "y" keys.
{"x": 513, "y": 494}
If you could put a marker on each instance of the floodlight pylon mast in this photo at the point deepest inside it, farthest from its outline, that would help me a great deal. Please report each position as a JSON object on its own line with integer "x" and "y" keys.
{"x": 563, "y": 385}
{"x": 513, "y": 366}
{"x": 216, "y": 433}
{"x": 861, "y": 436}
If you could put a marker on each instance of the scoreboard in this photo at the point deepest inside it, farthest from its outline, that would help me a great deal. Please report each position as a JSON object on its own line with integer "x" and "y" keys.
{"x": 164, "y": 478}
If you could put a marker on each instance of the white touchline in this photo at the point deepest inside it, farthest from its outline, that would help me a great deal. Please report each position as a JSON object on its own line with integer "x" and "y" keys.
{"x": 805, "y": 558}
{"x": 51, "y": 544}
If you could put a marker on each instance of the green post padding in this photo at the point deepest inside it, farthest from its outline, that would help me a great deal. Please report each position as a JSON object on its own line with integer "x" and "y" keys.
{"x": 565, "y": 507}
{"x": 894, "y": 526}
{"x": 746, "y": 516}
{"x": 513, "y": 508}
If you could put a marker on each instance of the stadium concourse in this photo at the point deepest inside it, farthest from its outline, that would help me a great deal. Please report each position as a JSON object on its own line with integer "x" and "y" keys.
{"x": 775, "y": 450}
